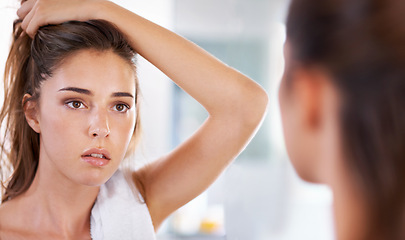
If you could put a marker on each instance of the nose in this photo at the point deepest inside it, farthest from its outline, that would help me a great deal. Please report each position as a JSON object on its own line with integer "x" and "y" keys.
{"x": 99, "y": 126}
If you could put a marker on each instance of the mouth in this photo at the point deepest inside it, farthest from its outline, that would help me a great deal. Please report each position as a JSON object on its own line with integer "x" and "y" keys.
{"x": 97, "y": 157}
{"x": 97, "y": 153}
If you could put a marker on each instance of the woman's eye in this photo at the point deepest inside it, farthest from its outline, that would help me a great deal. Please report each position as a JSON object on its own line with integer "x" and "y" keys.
{"x": 75, "y": 104}
{"x": 121, "y": 107}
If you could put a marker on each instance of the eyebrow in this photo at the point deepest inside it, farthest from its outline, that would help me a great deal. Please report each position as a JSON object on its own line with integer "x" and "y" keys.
{"x": 75, "y": 89}
{"x": 122, "y": 94}
{"x": 88, "y": 92}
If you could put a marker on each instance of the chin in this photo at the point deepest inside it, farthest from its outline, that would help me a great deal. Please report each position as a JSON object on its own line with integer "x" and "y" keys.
{"x": 307, "y": 172}
{"x": 307, "y": 177}
{"x": 95, "y": 177}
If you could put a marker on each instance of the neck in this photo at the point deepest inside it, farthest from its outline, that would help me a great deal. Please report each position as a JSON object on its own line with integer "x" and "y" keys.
{"x": 57, "y": 204}
{"x": 349, "y": 207}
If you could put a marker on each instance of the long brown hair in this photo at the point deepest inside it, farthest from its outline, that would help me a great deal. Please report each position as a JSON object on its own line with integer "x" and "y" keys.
{"x": 32, "y": 61}
{"x": 362, "y": 44}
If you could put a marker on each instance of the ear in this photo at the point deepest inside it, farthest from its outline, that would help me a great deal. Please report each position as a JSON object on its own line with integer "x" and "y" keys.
{"x": 308, "y": 86}
{"x": 316, "y": 97}
{"x": 31, "y": 112}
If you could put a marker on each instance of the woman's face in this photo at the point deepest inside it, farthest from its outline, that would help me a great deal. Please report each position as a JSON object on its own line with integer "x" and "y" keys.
{"x": 87, "y": 117}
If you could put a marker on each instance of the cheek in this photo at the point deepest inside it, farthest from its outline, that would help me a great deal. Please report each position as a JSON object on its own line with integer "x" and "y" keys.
{"x": 289, "y": 127}
{"x": 287, "y": 118}
{"x": 121, "y": 132}
{"x": 60, "y": 132}
{"x": 294, "y": 135}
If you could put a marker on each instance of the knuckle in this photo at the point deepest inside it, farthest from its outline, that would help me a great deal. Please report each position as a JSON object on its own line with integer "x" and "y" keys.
{"x": 19, "y": 12}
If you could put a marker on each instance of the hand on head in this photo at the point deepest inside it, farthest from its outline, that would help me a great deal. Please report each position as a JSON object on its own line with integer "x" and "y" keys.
{"x": 37, "y": 13}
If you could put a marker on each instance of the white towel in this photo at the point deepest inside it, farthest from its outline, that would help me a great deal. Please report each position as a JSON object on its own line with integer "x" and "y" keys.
{"x": 119, "y": 213}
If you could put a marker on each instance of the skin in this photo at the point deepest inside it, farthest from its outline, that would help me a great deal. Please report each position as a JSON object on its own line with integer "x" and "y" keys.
{"x": 170, "y": 181}
{"x": 85, "y": 121}
{"x": 309, "y": 105}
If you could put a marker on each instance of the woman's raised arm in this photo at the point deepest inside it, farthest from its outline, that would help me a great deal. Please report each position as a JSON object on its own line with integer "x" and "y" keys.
{"x": 235, "y": 103}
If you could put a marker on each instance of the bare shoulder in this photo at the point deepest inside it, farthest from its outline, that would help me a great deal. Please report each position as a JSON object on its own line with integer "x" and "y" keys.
{"x": 6, "y": 210}
{"x": 6, "y": 220}
{"x": 10, "y": 224}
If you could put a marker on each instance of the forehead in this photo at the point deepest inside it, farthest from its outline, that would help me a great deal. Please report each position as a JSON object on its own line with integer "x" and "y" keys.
{"x": 98, "y": 71}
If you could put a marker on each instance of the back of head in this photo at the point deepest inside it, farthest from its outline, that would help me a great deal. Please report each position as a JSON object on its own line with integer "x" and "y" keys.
{"x": 361, "y": 43}
{"x": 30, "y": 62}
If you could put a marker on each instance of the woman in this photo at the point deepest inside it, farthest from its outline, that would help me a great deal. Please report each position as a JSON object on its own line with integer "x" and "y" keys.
{"x": 71, "y": 115}
{"x": 342, "y": 102}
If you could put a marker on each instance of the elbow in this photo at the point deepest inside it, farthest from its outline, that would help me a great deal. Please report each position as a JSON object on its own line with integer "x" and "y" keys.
{"x": 255, "y": 107}
{"x": 250, "y": 107}
{"x": 244, "y": 107}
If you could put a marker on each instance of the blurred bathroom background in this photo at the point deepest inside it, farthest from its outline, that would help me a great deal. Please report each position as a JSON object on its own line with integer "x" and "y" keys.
{"x": 259, "y": 197}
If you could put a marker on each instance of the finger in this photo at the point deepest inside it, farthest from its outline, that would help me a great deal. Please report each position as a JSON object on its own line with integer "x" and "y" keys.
{"x": 27, "y": 19}
{"x": 34, "y": 24}
{"x": 25, "y": 8}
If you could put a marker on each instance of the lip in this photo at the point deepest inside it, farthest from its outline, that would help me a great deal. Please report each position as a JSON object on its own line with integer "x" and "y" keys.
{"x": 95, "y": 161}
{"x": 103, "y": 151}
